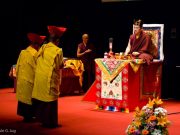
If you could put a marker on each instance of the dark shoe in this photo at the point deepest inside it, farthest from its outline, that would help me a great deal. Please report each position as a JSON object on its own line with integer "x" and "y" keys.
{"x": 29, "y": 120}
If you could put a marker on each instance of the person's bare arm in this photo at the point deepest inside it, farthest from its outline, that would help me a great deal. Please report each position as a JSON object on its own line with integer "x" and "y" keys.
{"x": 128, "y": 48}
{"x": 81, "y": 54}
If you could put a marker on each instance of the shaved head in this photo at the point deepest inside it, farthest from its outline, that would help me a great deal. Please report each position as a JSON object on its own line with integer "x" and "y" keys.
{"x": 85, "y": 36}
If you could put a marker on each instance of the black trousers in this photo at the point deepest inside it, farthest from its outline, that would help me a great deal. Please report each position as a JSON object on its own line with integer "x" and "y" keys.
{"x": 46, "y": 112}
{"x": 25, "y": 110}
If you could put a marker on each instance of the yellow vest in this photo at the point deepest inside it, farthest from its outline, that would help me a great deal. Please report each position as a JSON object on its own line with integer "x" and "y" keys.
{"x": 25, "y": 70}
{"x": 47, "y": 75}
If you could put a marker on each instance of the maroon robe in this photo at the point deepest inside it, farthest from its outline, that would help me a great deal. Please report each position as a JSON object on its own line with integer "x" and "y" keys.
{"x": 141, "y": 45}
{"x": 89, "y": 65}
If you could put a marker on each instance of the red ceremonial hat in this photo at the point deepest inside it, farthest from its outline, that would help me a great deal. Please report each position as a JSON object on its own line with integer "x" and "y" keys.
{"x": 35, "y": 38}
{"x": 42, "y": 37}
{"x": 58, "y": 31}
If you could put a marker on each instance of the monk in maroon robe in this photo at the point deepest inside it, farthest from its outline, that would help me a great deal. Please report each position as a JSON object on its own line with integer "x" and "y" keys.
{"x": 139, "y": 43}
{"x": 85, "y": 52}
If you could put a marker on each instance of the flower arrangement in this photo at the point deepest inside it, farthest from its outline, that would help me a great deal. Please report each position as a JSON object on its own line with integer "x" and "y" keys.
{"x": 150, "y": 120}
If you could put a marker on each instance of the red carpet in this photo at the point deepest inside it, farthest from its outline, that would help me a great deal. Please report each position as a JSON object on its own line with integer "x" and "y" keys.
{"x": 77, "y": 118}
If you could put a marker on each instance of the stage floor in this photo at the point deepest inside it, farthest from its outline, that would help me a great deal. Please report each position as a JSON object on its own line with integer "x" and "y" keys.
{"x": 76, "y": 117}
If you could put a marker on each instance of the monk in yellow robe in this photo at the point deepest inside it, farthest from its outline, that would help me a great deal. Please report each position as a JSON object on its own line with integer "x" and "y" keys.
{"x": 47, "y": 79}
{"x": 25, "y": 70}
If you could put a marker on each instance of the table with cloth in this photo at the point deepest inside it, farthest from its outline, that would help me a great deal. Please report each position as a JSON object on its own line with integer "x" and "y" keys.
{"x": 122, "y": 85}
{"x": 72, "y": 73}
{"x": 71, "y": 81}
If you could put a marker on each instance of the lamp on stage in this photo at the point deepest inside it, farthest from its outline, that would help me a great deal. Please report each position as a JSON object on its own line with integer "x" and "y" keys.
{"x": 110, "y": 47}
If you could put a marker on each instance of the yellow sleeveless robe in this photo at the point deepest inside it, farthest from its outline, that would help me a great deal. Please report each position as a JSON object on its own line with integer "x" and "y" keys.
{"x": 25, "y": 70}
{"x": 47, "y": 75}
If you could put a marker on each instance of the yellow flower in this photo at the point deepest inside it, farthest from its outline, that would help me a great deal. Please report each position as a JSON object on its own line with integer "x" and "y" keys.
{"x": 137, "y": 111}
{"x": 145, "y": 132}
{"x": 150, "y": 103}
{"x": 155, "y": 101}
{"x": 137, "y": 122}
{"x": 162, "y": 121}
{"x": 141, "y": 113}
{"x": 158, "y": 101}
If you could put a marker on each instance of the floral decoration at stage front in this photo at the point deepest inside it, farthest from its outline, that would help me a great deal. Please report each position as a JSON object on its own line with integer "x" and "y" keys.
{"x": 150, "y": 120}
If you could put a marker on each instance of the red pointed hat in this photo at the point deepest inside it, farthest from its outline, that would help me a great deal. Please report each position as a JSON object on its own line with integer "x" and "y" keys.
{"x": 35, "y": 38}
{"x": 42, "y": 37}
{"x": 58, "y": 31}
